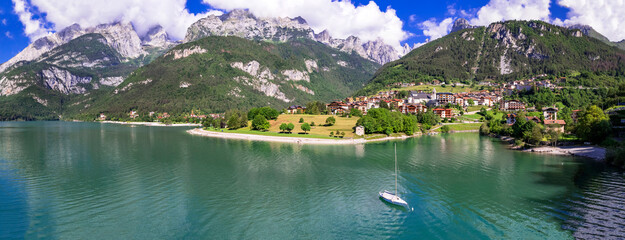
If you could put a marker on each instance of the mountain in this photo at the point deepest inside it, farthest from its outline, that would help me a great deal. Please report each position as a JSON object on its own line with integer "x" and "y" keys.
{"x": 215, "y": 74}
{"x": 242, "y": 23}
{"x": 461, "y": 24}
{"x": 73, "y": 61}
{"x": 502, "y": 51}
{"x": 589, "y": 31}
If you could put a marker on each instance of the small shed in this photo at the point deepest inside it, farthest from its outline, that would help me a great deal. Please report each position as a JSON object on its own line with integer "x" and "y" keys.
{"x": 360, "y": 131}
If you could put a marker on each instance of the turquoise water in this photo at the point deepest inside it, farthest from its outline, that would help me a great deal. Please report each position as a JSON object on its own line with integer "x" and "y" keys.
{"x": 84, "y": 180}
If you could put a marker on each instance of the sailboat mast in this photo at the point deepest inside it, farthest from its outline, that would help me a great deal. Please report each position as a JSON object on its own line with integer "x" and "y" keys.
{"x": 396, "y": 169}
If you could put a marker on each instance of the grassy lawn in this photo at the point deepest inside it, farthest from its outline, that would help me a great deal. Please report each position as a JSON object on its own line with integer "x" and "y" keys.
{"x": 472, "y": 117}
{"x": 428, "y": 88}
{"x": 270, "y": 133}
{"x": 475, "y": 108}
{"x": 342, "y": 124}
{"x": 463, "y": 127}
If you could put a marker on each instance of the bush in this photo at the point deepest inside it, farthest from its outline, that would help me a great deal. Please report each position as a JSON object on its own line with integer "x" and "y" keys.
{"x": 355, "y": 112}
{"x": 283, "y": 127}
{"x": 312, "y": 124}
{"x": 267, "y": 112}
{"x": 616, "y": 156}
{"x": 260, "y": 123}
{"x": 484, "y": 129}
{"x": 301, "y": 120}
{"x": 330, "y": 121}
{"x": 445, "y": 129}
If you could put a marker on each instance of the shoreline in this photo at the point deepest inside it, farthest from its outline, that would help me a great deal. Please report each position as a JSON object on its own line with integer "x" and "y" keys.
{"x": 296, "y": 140}
{"x": 592, "y": 152}
{"x": 154, "y": 124}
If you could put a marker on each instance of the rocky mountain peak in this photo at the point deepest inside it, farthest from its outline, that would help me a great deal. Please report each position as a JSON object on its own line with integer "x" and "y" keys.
{"x": 323, "y": 37}
{"x": 237, "y": 14}
{"x": 157, "y": 37}
{"x": 242, "y": 23}
{"x": 460, "y": 24}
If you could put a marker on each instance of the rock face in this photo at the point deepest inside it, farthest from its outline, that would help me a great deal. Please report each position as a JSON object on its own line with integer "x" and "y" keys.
{"x": 157, "y": 37}
{"x": 183, "y": 53}
{"x": 460, "y": 24}
{"x": 120, "y": 36}
{"x": 242, "y": 23}
{"x": 261, "y": 80}
{"x": 64, "y": 81}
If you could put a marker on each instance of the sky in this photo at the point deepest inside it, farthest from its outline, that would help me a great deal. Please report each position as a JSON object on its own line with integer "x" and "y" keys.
{"x": 396, "y": 22}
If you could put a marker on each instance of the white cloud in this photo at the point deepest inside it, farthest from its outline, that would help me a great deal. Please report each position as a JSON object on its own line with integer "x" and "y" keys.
{"x": 4, "y": 21}
{"x": 502, "y": 10}
{"x": 494, "y": 11}
{"x": 434, "y": 30}
{"x": 340, "y": 18}
{"x": 605, "y": 16}
{"x": 33, "y": 28}
{"x": 8, "y": 35}
{"x": 143, "y": 14}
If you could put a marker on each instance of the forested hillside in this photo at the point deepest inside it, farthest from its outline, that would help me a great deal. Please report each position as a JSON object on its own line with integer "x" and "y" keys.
{"x": 215, "y": 74}
{"x": 501, "y": 52}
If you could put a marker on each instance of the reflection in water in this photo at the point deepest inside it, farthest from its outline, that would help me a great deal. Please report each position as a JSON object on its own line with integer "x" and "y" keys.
{"x": 78, "y": 180}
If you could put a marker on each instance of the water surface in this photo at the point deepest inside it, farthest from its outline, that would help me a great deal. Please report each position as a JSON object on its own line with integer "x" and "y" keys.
{"x": 84, "y": 180}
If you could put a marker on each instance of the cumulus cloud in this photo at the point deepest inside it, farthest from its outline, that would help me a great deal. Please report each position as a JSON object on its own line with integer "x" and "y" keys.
{"x": 33, "y": 28}
{"x": 434, "y": 30}
{"x": 494, "y": 11}
{"x": 340, "y": 18}
{"x": 143, "y": 14}
{"x": 501, "y": 10}
{"x": 605, "y": 16}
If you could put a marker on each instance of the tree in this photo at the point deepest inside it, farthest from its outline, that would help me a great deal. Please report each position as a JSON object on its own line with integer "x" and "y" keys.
{"x": 233, "y": 122}
{"x": 301, "y": 120}
{"x": 315, "y": 108}
{"x": 312, "y": 124}
{"x": 355, "y": 112}
{"x": 471, "y": 102}
{"x": 330, "y": 121}
{"x": 593, "y": 125}
{"x": 445, "y": 129}
{"x": 284, "y": 127}
{"x": 260, "y": 123}
{"x": 290, "y": 127}
{"x": 535, "y": 135}
{"x": 331, "y": 134}
{"x": 342, "y": 134}
{"x": 236, "y": 119}
{"x": 384, "y": 104}
{"x": 553, "y": 136}
{"x": 267, "y": 112}
{"x": 305, "y": 127}
{"x": 207, "y": 122}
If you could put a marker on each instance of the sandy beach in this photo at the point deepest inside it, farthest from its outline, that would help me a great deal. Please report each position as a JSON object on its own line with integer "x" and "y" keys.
{"x": 596, "y": 153}
{"x": 297, "y": 140}
{"x": 156, "y": 124}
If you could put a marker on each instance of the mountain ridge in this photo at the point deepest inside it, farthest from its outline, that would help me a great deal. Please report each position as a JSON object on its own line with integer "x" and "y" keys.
{"x": 502, "y": 51}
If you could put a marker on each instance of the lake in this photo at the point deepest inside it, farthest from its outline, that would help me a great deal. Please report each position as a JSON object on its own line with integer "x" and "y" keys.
{"x": 64, "y": 180}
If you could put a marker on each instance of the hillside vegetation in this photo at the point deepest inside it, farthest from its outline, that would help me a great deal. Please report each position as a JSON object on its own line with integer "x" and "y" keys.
{"x": 502, "y": 52}
{"x": 215, "y": 74}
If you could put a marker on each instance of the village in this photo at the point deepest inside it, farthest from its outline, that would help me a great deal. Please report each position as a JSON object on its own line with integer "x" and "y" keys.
{"x": 416, "y": 98}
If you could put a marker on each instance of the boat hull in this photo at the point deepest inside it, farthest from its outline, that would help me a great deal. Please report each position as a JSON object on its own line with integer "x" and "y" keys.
{"x": 392, "y": 199}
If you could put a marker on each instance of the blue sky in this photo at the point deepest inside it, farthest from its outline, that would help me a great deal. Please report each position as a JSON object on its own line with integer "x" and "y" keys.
{"x": 412, "y": 22}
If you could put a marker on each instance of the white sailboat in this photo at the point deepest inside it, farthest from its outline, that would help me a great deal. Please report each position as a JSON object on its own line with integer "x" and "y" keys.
{"x": 393, "y": 198}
